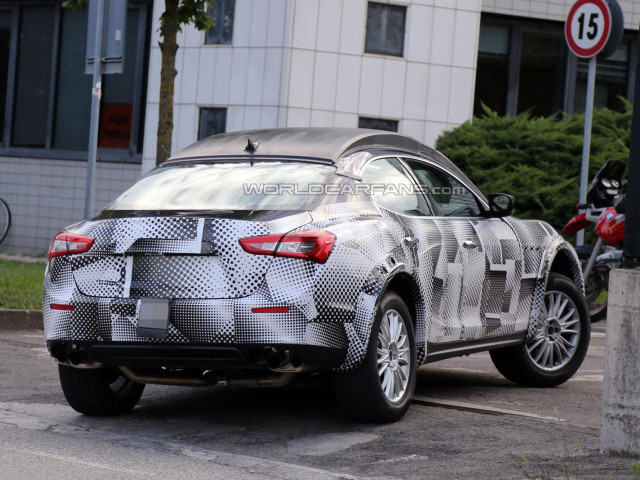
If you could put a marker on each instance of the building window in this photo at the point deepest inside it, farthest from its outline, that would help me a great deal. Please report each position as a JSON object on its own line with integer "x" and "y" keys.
{"x": 525, "y": 66}
{"x": 611, "y": 80}
{"x": 5, "y": 53}
{"x": 493, "y": 69}
{"x": 542, "y": 65}
{"x": 385, "y": 29}
{"x": 222, "y": 13}
{"x": 48, "y": 96}
{"x": 32, "y": 80}
{"x": 212, "y": 122}
{"x": 378, "y": 124}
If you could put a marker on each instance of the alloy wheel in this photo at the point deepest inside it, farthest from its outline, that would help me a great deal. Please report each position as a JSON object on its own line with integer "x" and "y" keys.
{"x": 394, "y": 356}
{"x": 556, "y": 334}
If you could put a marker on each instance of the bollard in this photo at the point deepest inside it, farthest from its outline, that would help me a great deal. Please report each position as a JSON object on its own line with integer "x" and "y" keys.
{"x": 620, "y": 432}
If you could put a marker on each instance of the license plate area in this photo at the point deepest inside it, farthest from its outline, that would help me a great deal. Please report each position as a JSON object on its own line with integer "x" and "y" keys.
{"x": 153, "y": 321}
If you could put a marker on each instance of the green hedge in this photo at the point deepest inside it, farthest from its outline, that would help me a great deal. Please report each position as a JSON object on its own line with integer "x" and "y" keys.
{"x": 536, "y": 159}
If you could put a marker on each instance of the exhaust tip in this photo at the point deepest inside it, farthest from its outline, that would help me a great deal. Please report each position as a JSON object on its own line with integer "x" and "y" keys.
{"x": 296, "y": 361}
{"x": 59, "y": 352}
{"x": 75, "y": 358}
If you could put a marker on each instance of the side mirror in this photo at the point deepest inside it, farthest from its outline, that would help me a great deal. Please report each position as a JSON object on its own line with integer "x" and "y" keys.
{"x": 501, "y": 205}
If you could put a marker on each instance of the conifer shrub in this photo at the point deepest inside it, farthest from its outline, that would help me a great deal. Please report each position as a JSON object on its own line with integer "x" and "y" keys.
{"x": 536, "y": 159}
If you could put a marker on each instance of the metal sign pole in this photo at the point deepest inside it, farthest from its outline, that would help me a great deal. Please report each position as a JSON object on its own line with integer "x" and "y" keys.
{"x": 96, "y": 94}
{"x": 586, "y": 146}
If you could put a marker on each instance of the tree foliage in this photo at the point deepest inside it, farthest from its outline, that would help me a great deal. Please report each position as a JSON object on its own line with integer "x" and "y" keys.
{"x": 538, "y": 160}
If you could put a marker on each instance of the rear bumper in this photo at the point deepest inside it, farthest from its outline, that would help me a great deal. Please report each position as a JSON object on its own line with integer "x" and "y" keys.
{"x": 203, "y": 357}
{"x": 193, "y": 321}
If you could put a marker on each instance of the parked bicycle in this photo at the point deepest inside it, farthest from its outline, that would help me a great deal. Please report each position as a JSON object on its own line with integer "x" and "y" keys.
{"x": 5, "y": 219}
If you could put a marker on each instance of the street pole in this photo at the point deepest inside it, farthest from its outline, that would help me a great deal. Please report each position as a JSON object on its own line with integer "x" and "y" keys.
{"x": 620, "y": 433}
{"x": 586, "y": 146}
{"x": 96, "y": 94}
{"x": 631, "y": 249}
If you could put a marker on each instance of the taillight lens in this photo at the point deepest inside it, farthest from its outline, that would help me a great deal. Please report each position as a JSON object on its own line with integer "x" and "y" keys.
{"x": 68, "y": 243}
{"x": 314, "y": 245}
{"x": 264, "y": 245}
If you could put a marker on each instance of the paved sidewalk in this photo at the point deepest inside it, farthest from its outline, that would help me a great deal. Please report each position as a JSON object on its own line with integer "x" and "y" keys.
{"x": 461, "y": 431}
{"x": 33, "y": 338}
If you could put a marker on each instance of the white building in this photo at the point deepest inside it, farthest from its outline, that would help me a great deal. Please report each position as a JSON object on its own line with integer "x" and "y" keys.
{"x": 417, "y": 66}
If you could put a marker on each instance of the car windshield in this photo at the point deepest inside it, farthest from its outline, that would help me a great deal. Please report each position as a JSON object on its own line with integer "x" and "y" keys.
{"x": 227, "y": 186}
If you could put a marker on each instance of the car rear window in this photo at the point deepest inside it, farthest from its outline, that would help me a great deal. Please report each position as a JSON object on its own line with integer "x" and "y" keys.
{"x": 227, "y": 186}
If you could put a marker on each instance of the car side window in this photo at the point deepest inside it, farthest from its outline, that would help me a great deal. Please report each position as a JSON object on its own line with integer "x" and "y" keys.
{"x": 453, "y": 198}
{"x": 391, "y": 187}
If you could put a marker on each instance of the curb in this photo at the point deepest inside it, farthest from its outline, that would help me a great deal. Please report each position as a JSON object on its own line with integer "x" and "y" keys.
{"x": 22, "y": 258}
{"x": 12, "y": 320}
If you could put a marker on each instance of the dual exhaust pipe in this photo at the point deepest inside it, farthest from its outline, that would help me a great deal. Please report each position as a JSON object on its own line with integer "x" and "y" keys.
{"x": 282, "y": 366}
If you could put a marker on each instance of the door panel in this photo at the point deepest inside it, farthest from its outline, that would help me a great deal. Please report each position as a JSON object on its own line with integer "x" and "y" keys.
{"x": 479, "y": 274}
{"x": 500, "y": 307}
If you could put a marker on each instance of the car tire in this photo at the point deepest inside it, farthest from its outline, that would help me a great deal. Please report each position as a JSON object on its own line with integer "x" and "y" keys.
{"x": 390, "y": 361}
{"x": 99, "y": 392}
{"x": 560, "y": 341}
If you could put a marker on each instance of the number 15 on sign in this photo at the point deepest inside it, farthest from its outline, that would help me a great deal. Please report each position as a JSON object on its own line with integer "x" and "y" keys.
{"x": 588, "y": 27}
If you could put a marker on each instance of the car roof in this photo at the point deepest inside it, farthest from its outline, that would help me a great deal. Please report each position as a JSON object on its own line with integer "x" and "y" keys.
{"x": 313, "y": 143}
{"x": 328, "y": 145}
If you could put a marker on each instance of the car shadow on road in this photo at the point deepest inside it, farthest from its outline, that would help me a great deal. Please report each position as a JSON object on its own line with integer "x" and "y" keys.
{"x": 312, "y": 400}
{"x": 308, "y": 400}
{"x": 452, "y": 378}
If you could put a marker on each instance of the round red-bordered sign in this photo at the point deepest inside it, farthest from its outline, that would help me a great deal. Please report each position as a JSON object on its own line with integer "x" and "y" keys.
{"x": 588, "y": 27}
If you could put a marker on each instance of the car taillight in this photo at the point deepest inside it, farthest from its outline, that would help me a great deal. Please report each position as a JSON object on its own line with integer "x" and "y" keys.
{"x": 68, "y": 243}
{"x": 264, "y": 245}
{"x": 313, "y": 245}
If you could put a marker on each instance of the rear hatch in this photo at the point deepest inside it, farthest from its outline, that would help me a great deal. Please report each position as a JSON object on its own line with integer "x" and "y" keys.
{"x": 175, "y": 232}
{"x": 176, "y": 257}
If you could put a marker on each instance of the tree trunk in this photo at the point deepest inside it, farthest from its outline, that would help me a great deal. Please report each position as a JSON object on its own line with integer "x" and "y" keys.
{"x": 168, "y": 47}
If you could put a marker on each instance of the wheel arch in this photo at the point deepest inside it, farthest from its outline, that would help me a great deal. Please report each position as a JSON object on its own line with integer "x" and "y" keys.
{"x": 566, "y": 262}
{"x": 390, "y": 275}
{"x": 407, "y": 288}
{"x": 560, "y": 258}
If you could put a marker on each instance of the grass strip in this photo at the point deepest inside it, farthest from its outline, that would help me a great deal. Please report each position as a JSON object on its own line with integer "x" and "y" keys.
{"x": 21, "y": 284}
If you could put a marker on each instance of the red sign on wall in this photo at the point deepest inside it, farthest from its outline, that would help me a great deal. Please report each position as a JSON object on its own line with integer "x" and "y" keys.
{"x": 115, "y": 126}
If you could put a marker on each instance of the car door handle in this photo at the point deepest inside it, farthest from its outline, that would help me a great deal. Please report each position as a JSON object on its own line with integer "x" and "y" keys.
{"x": 468, "y": 244}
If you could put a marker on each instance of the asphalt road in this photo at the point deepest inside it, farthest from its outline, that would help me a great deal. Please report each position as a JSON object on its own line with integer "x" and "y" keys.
{"x": 467, "y": 422}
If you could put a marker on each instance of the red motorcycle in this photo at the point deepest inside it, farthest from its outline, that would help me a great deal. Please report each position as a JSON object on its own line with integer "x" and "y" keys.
{"x": 606, "y": 208}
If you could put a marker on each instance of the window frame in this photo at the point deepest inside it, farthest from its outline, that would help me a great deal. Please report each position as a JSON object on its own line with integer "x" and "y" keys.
{"x": 517, "y": 28}
{"x": 129, "y": 155}
{"x": 207, "y": 107}
{"x": 206, "y": 32}
{"x": 404, "y": 30}
{"x": 428, "y": 201}
{"x": 397, "y": 123}
{"x": 482, "y": 206}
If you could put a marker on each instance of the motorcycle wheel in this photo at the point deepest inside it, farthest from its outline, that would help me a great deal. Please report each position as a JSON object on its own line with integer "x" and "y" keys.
{"x": 595, "y": 285}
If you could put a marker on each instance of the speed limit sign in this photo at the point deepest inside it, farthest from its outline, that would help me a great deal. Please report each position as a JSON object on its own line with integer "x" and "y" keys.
{"x": 588, "y": 27}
